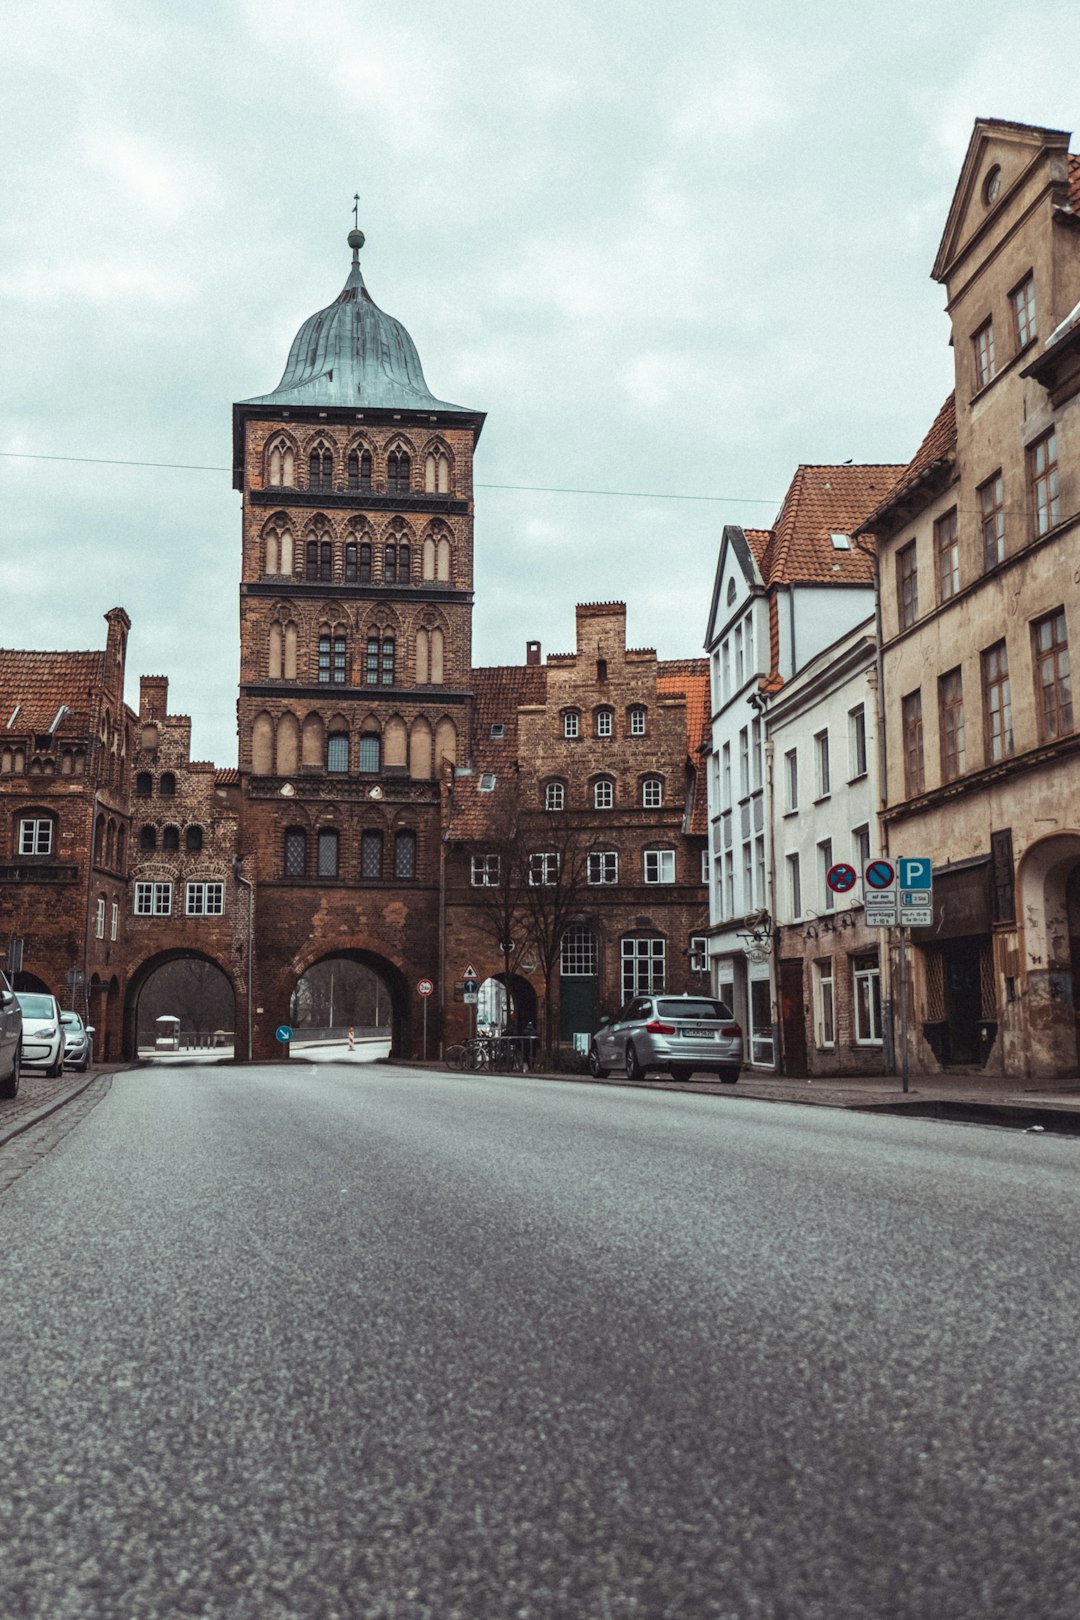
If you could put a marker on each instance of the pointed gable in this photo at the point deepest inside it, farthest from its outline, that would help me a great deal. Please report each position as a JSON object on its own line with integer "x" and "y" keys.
{"x": 1012, "y": 150}
{"x": 738, "y": 566}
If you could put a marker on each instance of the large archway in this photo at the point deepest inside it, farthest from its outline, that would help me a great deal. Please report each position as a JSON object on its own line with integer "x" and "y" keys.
{"x": 186, "y": 986}
{"x": 350, "y": 989}
{"x": 506, "y": 1004}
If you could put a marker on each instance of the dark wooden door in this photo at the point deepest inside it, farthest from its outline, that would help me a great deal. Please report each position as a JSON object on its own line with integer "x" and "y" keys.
{"x": 793, "y": 1015}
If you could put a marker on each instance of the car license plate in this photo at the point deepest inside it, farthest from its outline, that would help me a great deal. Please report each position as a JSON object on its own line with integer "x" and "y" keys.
{"x": 699, "y": 1032}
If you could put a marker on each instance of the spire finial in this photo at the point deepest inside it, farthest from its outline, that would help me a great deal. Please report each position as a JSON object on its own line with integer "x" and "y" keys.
{"x": 356, "y": 235}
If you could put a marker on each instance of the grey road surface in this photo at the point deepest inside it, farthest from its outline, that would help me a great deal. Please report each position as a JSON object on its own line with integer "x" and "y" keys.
{"x": 347, "y": 1343}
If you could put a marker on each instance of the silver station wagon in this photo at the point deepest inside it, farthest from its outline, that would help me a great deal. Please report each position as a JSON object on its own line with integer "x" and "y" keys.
{"x": 683, "y": 1035}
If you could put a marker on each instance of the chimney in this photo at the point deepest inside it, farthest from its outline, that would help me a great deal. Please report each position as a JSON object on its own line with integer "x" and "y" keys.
{"x": 532, "y": 652}
{"x": 153, "y": 697}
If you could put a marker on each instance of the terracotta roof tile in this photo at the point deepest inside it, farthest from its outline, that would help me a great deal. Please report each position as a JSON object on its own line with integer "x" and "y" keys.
{"x": 39, "y": 682}
{"x": 822, "y": 501}
{"x": 1074, "y": 183}
{"x": 938, "y": 446}
{"x": 758, "y": 540}
{"x": 690, "y": 678}
{"x": 500, "y": 692}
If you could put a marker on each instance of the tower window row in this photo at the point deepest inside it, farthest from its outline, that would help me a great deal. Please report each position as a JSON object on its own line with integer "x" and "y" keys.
{"x": 379, "y": 656}
{"x": 287, "y": 746}
{"x": 400, "y": 561}
{"x": 357, "y": 470}
{"x": 326, "y": 846}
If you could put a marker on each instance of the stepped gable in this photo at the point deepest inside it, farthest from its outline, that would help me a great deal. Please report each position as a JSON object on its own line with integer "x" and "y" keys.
{"x": 39, "y": 682}
{"x": 822, "y": 501}
{"x": 499, "y": 692}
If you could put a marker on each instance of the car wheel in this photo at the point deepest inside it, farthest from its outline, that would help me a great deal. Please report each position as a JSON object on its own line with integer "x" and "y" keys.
{"x": 680, "y": 1071}
{"x": 729, "y": 1077}
{"x": 10, "y": 1087}
{"x": 53, "y": 1071}
{"x": 85, "y": 1064}
{"x": 634, "y": 1071}
{"x": 596, "y": 1068}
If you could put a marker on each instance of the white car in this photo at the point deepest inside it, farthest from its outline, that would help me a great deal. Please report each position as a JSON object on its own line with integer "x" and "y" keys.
{"x": 10, "y": 1040}
{"x": 43, "y": 1033}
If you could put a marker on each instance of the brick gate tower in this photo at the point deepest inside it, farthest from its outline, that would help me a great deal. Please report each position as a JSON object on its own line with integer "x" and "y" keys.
{"x": 355, "y": 653}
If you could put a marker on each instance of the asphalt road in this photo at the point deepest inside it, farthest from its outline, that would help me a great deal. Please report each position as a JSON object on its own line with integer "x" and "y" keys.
{"x": 346, "y": 1343}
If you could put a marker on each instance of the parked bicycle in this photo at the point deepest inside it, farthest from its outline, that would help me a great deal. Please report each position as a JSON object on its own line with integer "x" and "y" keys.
{"x": 502, "y": 1054}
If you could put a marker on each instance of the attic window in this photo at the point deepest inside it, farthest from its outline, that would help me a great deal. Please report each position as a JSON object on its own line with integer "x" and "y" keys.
{"x": 487, "y": 782}
{"x": 730, "y": 592}
{"x": 841, "y": 542}
{"x": 498, "y": 733}
{"x": 992, "y": 186}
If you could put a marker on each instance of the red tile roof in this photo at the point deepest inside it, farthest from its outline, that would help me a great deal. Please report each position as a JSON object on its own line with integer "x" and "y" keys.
{"x": 822, "y": 501}
{"x": 500, "y": 691}
{"x": 938, "y": 447}
{"x": 758, "y": 540}
{"x": 39, "y": 682}
{"x": 690, "y": 678}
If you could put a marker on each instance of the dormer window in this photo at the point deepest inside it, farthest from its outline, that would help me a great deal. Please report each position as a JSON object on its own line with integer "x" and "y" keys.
{"x": 487, "y": 782}
{"x": 841, "y": 542}
{"x": 497, "y": 733}
{"x": 992, "y": 186}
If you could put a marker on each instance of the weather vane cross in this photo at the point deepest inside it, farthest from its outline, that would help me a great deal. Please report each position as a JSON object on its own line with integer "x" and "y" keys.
{"x": 356, "y": 209}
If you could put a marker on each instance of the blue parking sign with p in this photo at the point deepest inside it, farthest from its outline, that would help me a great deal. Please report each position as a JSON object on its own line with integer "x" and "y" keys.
{"x": 915, "y": 871}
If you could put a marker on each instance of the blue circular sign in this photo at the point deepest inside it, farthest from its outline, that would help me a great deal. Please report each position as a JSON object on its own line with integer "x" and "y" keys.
{"x": 283, "y": 1032}
{"x": 841, "y": 877}
{"x": 880, "y": 875}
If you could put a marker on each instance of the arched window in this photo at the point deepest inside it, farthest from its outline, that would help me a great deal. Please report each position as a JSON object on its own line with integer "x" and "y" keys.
{"x": 390, "y": 565}
{"x": 167, "y": 785}
{"x": 637, "y": 720}
{"x": 404, "y": 563}
{"x": 605, "y": 722}
{"x": 144, "y": 785}
{"x": 365, "y": 563}
{"x": 350, "y": 563}
{"x": 276, "y": 659}
{"x": 280, "y": 463}
{"x": 371, "y": 853}
{"x": 603, "y": 793}
{"x": 420, "y": 741}
{"x": 423, "y": 656}
{"x": 110, "y": 842}
{"x": 369, "y": 752}
{"x": 360, "y": 472}
{"x": 286, "y": 551}
{"x": 379, "y": 662}
{"x": 405, "y": 855}
{"x": 332, "y": 661}
{"x": 295, "y": 852}
{"x": 170, "y": 838}
{"x": 326, "y": 560}
{"x": 437, "y": 472}
{"x": 321, "y": 468}
{"x": 398, "y": 472}
{"x": 147, "y": 839}
{"x": 328, "y": 853}
{"x": 193, "y": 840}
{"x": 121, "y": 849}
{"x": 446, "y": 741}
{"x": 288, "y": 744}
{"x": 337, "y": 751}
{"x": 313, "y": 743}
{"x": 311, "y": 565}
{"x": 442, "y": 559}
{"x": 652, "y": 793}
{"x": 555, "y": 796}
{"x": 272, "y": 552}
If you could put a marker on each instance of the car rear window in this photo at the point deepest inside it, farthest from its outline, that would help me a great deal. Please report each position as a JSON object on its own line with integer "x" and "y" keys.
{"x": 696, "y": 1008}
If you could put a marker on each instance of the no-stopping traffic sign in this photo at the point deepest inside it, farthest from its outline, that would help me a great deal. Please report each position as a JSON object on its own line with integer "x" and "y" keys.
{"x": 841, "y": 877}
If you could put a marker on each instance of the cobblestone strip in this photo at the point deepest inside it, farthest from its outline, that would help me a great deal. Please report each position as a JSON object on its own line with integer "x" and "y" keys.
{"x": 28, "y": 1140}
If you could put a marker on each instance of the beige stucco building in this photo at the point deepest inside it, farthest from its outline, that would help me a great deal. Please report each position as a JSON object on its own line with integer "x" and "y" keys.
{"x": 979, "y": 556}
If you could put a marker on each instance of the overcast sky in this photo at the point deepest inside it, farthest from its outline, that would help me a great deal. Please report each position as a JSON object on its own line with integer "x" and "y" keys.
{"x": 670, "y": 249}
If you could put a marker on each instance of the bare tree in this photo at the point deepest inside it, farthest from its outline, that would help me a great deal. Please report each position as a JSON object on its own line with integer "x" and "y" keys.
{"x": 553, "y": 854}
{"x": 501, "y": 899}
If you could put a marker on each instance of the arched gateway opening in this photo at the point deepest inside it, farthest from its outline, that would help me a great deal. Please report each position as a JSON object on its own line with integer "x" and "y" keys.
{"x": 353, "y": 990}
{"x": 1049, "y": 893}
{"x": 180, "y": 1003}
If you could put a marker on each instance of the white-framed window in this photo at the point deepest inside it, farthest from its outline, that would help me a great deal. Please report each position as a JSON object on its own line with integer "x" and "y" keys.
{"x": 571, "y": 723}
{"x": 791, "y": 779}
{"x": 825, "y": 860}
{"x": 824, "y": 1002}
{"x": 866, "y": 976}
{"x": 202, "y": 899}
{"x": 857, "y": 742}
{"x": 659, "y": 866}
{"x": 860, "y": 838}
{"x": 643, "y": 965}
{"x": 637, "y": 720}
{"x": 744, "y": 762}
{"x": 486, "y": 871}
{"x": 794, "y": 886}
{"x": 114, "y": 920}
{"x": 821, "y": 757}
{"x": 577, "y": 953}
{"x": 35, "y": 836}
{"x": 153, "y": 899}
{"x": 99, "y": 919}
{"x": 725, "y": 667}
{"x": 603, "y": 866}
{"x": 756, "y": 755}
{"x": 727, "y": 905}
{"x": 739, "y": 670}
{"x": 543, "y": 868}
{"x": 705, "y": 866}
{"x": 652, "y": 793}
{"x": 487, "y": 782}
{"x": 554, "y": 796}
{"x": 759, "y": 867}
{"x": 748, "y": 876}
{"x": 699, "y": 953}
{"x": 604, "y": 722}
{"x": 604, "y": 793}
{"x": 725, "y": 777}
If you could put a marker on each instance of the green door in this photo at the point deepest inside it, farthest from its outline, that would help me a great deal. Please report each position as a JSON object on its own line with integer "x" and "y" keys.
{"x": 578, "y": 1005}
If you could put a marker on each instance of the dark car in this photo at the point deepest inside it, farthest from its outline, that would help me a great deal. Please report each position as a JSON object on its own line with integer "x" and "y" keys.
{"x": 78, "y": 1042}
{"x": 680, "y": 1034}
{"x": 10, "y": 1040}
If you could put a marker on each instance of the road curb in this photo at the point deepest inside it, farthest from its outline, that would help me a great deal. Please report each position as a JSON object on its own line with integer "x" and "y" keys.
{"x": 18, "y": 1126}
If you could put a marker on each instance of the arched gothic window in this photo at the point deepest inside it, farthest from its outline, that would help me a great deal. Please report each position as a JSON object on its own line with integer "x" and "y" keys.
{"x": 398, "y": 472}
{"x": 405, "y": 855}
{"x": 370, "y": 752}
{"x": 350, "y": 562}
{"x": 328, "y": 853}
{"x": 379, "y": 661}
{"x": 337, "y": 751}
{"x": 144, "y": 785}
{"x": 404, "y": 563}
{"x": 319, "y": 561}
{"x": 390, "y": 565}
{"x": 281, "y": 464}
{"x": 360, "y": 472}
{"x": 167, "y": 785}
{"x": 170, "y": 838}
{"x": 371, "y": 853}
{"x": 332, "y": 659}
{"x": 365, "y": 563}
{"x": 437, "y": 472}
{"x": 321, "y": 468}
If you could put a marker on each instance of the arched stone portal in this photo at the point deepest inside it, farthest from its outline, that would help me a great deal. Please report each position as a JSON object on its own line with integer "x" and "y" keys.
{"x": 207, "y": 1004}
{"x": 1049, "y": 893}
{"x": 396, "y": 1011}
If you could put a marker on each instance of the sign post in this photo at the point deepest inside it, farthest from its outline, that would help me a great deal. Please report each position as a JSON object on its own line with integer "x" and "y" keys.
{"x": 424, "y": 988}
{"x": 283, "y": 1033}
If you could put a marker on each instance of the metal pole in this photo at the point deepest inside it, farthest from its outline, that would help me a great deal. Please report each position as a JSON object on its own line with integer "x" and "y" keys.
{"x": 904, "y": 1062}
{"x": 425, "y": 1029}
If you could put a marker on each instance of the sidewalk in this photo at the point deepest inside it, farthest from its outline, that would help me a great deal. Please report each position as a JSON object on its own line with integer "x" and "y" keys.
{"x": 39, "y": 1097}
